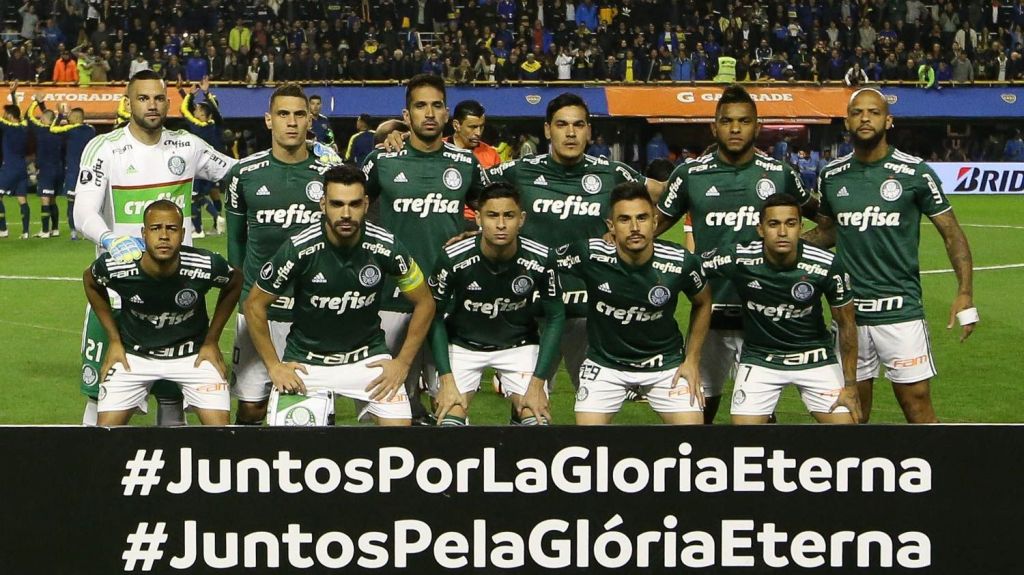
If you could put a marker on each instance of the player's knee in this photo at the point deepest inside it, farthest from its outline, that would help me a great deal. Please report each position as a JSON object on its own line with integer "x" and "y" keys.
{"x": 251, "y": 412}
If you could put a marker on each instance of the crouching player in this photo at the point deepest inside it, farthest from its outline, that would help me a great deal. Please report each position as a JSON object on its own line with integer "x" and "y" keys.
{"x": 635, "y": 342}
{"x": 162, "y": 330}
{"x": 781, "y": 280}
{"x": 484, "y": 287}
{"x": 336, "y": 269}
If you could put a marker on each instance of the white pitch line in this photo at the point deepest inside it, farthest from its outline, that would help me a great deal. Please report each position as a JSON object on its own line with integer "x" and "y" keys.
{"x": 992, "y": 226}
{"x": 977, "y": 269}
{"x": 43, "y": 278}
{"x": 34, "y": 326}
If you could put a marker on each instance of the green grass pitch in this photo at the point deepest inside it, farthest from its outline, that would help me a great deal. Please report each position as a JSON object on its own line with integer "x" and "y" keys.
{"x": 42, "y": 306}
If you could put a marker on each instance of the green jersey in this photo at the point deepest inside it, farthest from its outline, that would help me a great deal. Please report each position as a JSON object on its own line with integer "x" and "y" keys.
{"x": 631, "y": 321}
{"x": 724, "y": 202}
{"x": 268, "y": 202}
{"x": 486, "y": 305}
{"x": 422, "y": 196}
{"x": 164, "y": 317}
{"x": 337, "y": 292}
{"x": 783, "y": 323}
{"x": 565, "y": 204}
{"x": 877, "y": 211}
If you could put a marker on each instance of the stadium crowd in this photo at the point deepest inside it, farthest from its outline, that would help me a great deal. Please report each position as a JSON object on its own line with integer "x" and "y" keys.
{"x": 495, "y": 41}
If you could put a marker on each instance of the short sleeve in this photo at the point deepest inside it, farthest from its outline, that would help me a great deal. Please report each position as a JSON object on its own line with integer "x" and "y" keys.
{"x": 221, "y": 270}
{"x": 795, "y": 186}
{"x": 402, "y": 265}
{"x": 236, "y": 193}
{"x": 570, "y": 257}
{"x": 838, "y": 287}
{"x": 717, "y": 263}
{"x": 440, "y": 282}
{"x": 673, "y": 202}
{"x": 100, "y": 271}
{"x": 277, "y": 274}
{"x": 625, "y": 173}
{"x": 551, "y": 288}
{"x": 503, "y": 172}
{"x": 370, "y": 170}
{"x": 212, "y": 165}
{"x": 929, "y": 197}
{"x": 693, "y": 279}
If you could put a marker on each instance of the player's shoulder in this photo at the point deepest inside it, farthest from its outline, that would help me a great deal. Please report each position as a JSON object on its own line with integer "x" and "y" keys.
{"x": 462, "y": 250}
{"x": 378, "y": 234}
{"x": 813, "y": 254}
{"x": 450, "y": 151}
{"x": 695, "y": 166}
{"x": 600, "y": 250}
{"x": 905, "y": 158}
{"x": 534, "y": 248}
{"x": 193, "y": 257}
{"x": 597, "y": 161}
{"x": 766, "y": 163}
{"x": 251, "y": 163}
{"x": 667, "y": 251}
{"x": 105, "y": 142}
{"x": 168, "y": 137}
{"x": 837, "y": 166}
{"x": 751, "y": 249}
{"x": 112, "y": 267}
{"x": 309, "y": 241}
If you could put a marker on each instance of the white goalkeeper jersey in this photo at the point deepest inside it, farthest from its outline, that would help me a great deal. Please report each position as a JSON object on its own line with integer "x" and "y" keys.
{"x": 120, "y": 176}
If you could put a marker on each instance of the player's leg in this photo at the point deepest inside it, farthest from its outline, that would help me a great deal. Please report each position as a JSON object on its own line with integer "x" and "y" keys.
{"x": 250, "y": 382}
{"x": 21, "y": 193}
{"x": 205, "y": 391}
{"x": 351, "y": 381}
{"x": 673, "y": 403}
{"x": 54, "y": 183}
{"x": 868, "y": 366}
{"x": 819, "y": 388}
{"x": 70, "y": 190}
{"x": 718, "y": 360}
{"x": 123, "y": 392}
{"x": 45, "y": 200}
{"x": 467, "y": 370}
{"x": 515, "y": 369}
{"x": 220, "y": 221}
{"x": 755, "y": 394}
{"x": 601, "y": 394}
{"x": 196, "y": 214}
{"x": 905, "y": 350}
{"x": 93, "y": 351}
{"x": 395, "y": 325}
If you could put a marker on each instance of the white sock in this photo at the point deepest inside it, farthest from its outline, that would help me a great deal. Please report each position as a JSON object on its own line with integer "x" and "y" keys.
{"x": 91, "y": 413}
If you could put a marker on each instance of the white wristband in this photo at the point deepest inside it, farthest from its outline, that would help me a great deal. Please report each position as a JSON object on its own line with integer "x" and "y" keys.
{"x": 968, "y": 316}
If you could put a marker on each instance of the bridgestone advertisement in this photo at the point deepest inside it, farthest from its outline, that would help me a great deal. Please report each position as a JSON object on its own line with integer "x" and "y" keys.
{"x": 879, "y": 499}
{"x": 980, "y": 178}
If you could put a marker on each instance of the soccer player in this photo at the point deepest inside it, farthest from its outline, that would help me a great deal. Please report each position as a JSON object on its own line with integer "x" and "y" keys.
{"x": 336, "y": 269}
{"x": 781, "y": 280}
{"x": 49, "y": 165}
{"x": 14, "y": 170}
{"x": 76, "y": 133}
{"x": 872, "y": 202}
{"x": 422, "y": 190}
{"x": 566, "y": 197}
{"x": 272, "y": 195}
{"x": 360, "y": 144}
{"x": 634, "y": 339}
{"x": 121, "y": 173}
{"x": 163, "y": 331}
{"x": 723, "y": 192}
{"x": 319, "y": 124}
{"x": 484, "y": 287}
{"x": 205, "y": 123}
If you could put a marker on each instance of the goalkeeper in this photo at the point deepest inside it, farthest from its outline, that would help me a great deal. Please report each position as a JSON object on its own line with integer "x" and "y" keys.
{"x": 121, "y": 173}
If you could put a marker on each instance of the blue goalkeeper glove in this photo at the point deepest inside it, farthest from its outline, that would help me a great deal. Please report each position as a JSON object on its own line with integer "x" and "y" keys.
{"x": 123, "y": 248}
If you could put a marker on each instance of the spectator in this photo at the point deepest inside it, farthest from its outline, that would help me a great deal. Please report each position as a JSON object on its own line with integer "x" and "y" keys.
{"x": 197, "y": 67}
{"x": 29, "y": 20}
{"x": 484, "y": 69}
{"x": 599, "y": 148}
{"x": 781, "y": 149}
{"x": 586, "y": 14}
{"x": 527, "y": 145}
{"x": 65, "y": 69}
{"x": 682, "y": 67}
{"x": 119, "y": 66}
{"x": 139, "y": 63}
{"x": 564, "y": 63}
{"x": 823, "y": 160}
{"x": 240, "y": 36}
{"x": 1014, "y": 149}
{"x": 85, "y": 65}
{"x": 926, "y": 76}
{"x": 173, "y": 70}
{"x": 19, "y": 67}
{"x": 808, "y": 169}
{"x": 529, "y": 70}
{"x": 656, "y": 148}
{"x": 855, "y": 76}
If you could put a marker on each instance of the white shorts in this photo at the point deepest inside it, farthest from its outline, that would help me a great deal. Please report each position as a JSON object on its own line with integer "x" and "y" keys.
{"x": 203, "y": 387}
{"x": 422, "y": 372}
{"x": 719, "y": 358}
{"x": 249, "y": 378}
{"x": 603, "y": 390}
{"x": 351, "y": 381}
{"x": 514, "y": 366}
{"x": 758, "y": 388}
{"x": 904, "y": 348}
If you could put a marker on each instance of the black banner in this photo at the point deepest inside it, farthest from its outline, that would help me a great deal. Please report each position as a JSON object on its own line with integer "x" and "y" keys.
{"x": 875, "y": 499}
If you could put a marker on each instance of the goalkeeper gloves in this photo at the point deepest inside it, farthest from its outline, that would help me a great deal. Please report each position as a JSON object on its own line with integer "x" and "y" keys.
{"x": 123, "y": 248}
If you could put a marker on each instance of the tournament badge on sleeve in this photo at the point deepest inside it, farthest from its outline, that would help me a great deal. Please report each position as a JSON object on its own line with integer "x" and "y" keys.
{"x": 315, "y": 409}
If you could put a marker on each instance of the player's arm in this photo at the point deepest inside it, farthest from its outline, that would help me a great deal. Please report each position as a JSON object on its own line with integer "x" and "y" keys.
{"x": 237, "y": 226}
{"x": 655, "y": 189}
{"x": 672, "y": 203}
{"x": 91, "y": 194}
{"x": 100, "y": 302}
{"x": 846, "y": 324}
{"x": 30, "y": 115}
{"x": 227, "y": 299}
{"x": 536, "y": 400}
{"x": 371, "y": 172}
{"x": 212, "y": 165}
{"x": 959, "y": 253}
{"x": 188, "y": 105}
{"x": 695, "y": 286}
{"x": 448, "y": 395}
{"x": 415, "y": 289}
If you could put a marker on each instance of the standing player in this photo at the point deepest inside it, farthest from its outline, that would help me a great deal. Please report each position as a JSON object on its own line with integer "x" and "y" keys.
{"x": 272, "y": 195}
{"x": 121, "y": 173}
{"x": 872, "y": 202}
{"x": 360, "y": 144}
{"x": 49, "y": 166}
{"x": 566, "y": 197}
{"x": 204, "y": 123}
{"x": 486, "y": 285}
{"x": 163, "y": 331}
{"x": 781, "y": 280}
{"x": 14, "y": 170}
{"x": 76, "y": 134}
{"x": 335, "y": 270}
{"x": 422, "y": 191}
{"x": 723, "y": 192}
{"x": 635, "y": 341}
{"x": 468, "y": 124}
{"x": 319, "y": 124}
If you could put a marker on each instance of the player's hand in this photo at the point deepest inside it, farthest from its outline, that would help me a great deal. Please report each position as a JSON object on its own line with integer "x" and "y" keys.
{"x": 691, "y": 373}
{"x": 210, "y": 352}
{"x": 609, "y": 238}
{"x": 462, "y": 236}
{"x": 395, "y": 141}
{"x": 285, "y": 377}
{"x": 204, "y": 85}
{"x": 960, "y": 303}
{"x": 536, "y": 400}
{"x": 448, "y": 396}
{"x": 124, "y": 248}
{"x": 115, "y": 354}
{"x": 390, "y": 381}
{"x": 849, "y": 398}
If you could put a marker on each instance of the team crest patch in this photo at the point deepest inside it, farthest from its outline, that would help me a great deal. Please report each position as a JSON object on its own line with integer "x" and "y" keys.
{"x": 739, "y": 397}
{"x": 802, "y": 291}
{"x": 176, "y": 165}
{"x": 267, "y": 271}
{"x": 891, "y": 190}
{"x": 659, "y": 295}
{"x": 369, "y": 276}
{"x": 300, "y": 416}
{"x": 582, "y": 393}
{"x": 591, "y": 183}
{"x": 452, "y": 179}
{"x": 85, "y": 177}
{"x": 521, "y": 285}
{"x": 765, "y": 188}
{"x": 186, "y": 298}
{"x": 89, "y": 376}
{"x": 315, "y": 191}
